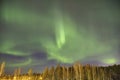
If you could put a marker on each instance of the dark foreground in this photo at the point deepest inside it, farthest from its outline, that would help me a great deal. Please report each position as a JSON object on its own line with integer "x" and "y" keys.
{"x": 75, "y": 72}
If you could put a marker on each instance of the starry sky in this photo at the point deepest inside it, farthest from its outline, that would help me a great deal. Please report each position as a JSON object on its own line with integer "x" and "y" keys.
{"x": 39, "y": 33}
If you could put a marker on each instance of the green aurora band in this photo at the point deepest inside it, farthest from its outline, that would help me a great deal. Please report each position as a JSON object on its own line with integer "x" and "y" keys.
{"x": 20, "y": 64}
{"x": 69, "y": 42}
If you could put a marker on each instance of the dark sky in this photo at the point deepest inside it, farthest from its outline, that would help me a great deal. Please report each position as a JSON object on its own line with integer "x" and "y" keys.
{"x": 39, "y": 33}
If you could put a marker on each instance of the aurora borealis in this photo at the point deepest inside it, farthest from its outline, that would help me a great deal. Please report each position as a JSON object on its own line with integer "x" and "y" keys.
{"x": 39, "y": 33}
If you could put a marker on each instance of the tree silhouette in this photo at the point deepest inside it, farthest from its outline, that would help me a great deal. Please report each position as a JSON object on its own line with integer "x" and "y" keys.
{"x": 51, "y": 73}
{"x": 2, "y": 66}
{"x": 45, "y": 74}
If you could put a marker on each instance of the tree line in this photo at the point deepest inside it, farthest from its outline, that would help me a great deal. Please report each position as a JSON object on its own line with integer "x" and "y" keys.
{"x": 74, "y": 72}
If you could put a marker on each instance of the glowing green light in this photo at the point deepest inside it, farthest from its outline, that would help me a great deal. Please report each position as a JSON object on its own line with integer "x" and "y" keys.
{"x": 110, "y": 61}
{"x": 25, "y": 63}
{"x": 58, "y": 34}
{"x": 59, "y": 58}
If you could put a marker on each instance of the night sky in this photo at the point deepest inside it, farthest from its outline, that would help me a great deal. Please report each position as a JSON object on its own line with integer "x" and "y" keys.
{"x": 39, "y": 33}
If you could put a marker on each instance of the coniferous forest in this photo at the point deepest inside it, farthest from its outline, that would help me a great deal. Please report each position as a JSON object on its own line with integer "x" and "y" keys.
{"x": 74, "y": 72}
